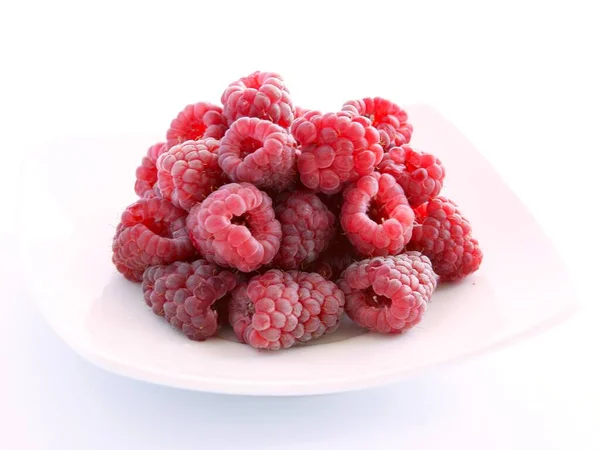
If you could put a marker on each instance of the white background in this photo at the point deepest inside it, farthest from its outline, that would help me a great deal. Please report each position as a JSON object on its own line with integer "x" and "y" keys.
{"x": 520, "y": 79}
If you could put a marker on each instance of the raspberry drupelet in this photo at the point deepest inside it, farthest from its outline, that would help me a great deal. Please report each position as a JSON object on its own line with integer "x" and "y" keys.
{"x": 235, "y": 226}
{"x": 197, "y": 121}
{"x": 189, "y": 171}
{"x": 420, "y": 174}
{"x": 335, "y": 148}
{"x": 186, "y": 294}
{"x": 152, "y": 231}
{"x": 264, "y": 312}
{"x": 390, "y": 120}
{"x": 322, "y": 302}
{"x": 260, "y": 94}
{"x": 444, "y": 235}
{"x": 388, "y": 294}
{"x": 376, "y": 216}
{"x": 259, "y": 152}
{"x": 146, "y": 173}
{"x": 307, "y": 227}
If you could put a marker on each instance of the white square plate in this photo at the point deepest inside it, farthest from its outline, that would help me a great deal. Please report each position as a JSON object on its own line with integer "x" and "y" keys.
{"x": 521, "y": 288}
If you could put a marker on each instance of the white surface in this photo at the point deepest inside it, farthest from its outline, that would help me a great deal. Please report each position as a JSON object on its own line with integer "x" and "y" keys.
{"x": 102, "y": 316}
{"x": 518, "y": 78}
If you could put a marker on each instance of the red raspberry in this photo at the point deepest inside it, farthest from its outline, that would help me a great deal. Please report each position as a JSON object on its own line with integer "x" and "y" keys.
{"x": 235, "y": 226}
{"x": 421, "y": 175}
{"x": 387, "y": 117}
{"x": 259, "y": 152}
{"x": 322, "y": 302}
{"x": 307, "y": 227}
{"x": 185, "y": 293}
{"x": 444, "y": 235}
{"x": 152, "y": 231}
{"x": 264, "y": 312}
{"x": 260, "y": 94}
{"x": 198, "y": 121}
{"x": 376, "y": 216}
{"x": 190, "y": 171}
{"x": 145, "y": 174}
{"x": 388, "y": 294}
{"x": 335, "y": 259}
{"x": 335, "y": 148}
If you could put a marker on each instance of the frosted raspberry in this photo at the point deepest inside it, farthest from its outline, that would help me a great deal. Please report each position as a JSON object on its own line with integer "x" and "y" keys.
{"x": 186, "y": 294}
{"x": 307, "y": 227}
{"x": 387, "y": 117}
{"x": 190, "y": 171}
{"x": 145, "y": 174}
{"x": 235, "y": 226}
{"x": 260, "y": 94}
{"x": 335, "y": 148}
{"x": 335, "y": 259}
{"x": 323, "y": 305}
{"x": 388, "y": 294}
{"x": 198, "y": 121}
{"x": 152, "y": 231}
{"x": 421, "y": 175}
{"x": 376, "y": 216}
{"x": 264, "y": 312}
{"x": 444, "y": 235}
{"x": 259, "y": 152}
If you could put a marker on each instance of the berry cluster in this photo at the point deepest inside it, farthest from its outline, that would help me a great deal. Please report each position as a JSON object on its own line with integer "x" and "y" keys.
{"x": 275, "y": 219}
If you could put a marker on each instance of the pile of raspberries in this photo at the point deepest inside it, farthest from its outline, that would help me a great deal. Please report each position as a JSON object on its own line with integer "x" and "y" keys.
{"x": 276, "y": 220}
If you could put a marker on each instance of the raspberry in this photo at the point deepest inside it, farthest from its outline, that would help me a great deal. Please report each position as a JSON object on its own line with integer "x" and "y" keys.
{"x": 421, "y": 175}
{"x": 376, "y": 215}
{"x": 198, "y": 121}
{"x": 388, "y": 294}
{"x": 322, "y": 302}
{"x": 444, "y": 235}
{"x": 145, "y": 174}
{"x": 185, "y": 293}
{"x": 264, "y": 312}
{"x": 259, "y": 152}
{"x": 335, "y": 259}
{"x": 190, "y": 171}
{"x": 335, "y": 148}
{"x": 387, "y": 117}
{"x": 235, "y": 226}
{"x": 152, "y": 231}
{"x": 307, "y": 226}
{"x": 260, "y": 94}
